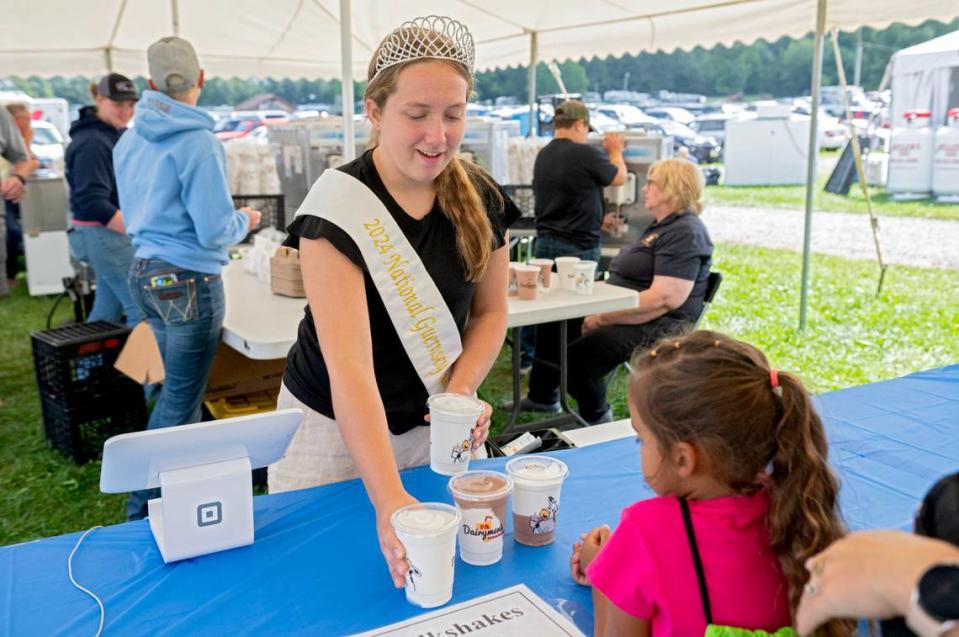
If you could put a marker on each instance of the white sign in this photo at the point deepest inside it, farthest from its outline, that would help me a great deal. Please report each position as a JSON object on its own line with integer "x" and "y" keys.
{"x": 512, "y": 612}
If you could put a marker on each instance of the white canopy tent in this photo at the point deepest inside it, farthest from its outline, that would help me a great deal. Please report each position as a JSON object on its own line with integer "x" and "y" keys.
{"x": 926, "y": 76}
{"x": 297, "y": 38}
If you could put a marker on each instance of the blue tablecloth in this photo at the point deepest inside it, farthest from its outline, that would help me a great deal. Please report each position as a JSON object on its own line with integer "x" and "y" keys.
{"x": 316, "y": 567}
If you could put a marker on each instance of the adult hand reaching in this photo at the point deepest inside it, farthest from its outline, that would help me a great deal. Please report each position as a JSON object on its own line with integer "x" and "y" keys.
{"x": 393, "y": 550}
{"x": 869, "y": 574}
{"x": 253, "y": 215}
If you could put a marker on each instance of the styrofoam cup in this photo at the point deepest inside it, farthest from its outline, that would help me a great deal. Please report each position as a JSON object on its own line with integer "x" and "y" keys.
{"x": 537, "y": 482}
{"x": 564, "y": 269}
{"x": 584, "y": 274}
{"x": 428, "y": 533}
{"x": 452, "y": 418}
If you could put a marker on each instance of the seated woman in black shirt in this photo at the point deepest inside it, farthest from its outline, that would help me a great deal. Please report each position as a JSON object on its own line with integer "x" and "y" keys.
{"x": 669, "y": 266}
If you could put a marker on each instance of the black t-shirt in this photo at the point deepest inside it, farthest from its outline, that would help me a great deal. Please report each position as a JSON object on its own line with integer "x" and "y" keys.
{"x": 434, "y": 239}
{"x": 678, "y": 246}
{"x": 568, "y": 181}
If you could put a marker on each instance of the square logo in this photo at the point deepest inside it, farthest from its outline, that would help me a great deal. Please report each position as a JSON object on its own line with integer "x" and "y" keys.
{"x": 209, "y": 514}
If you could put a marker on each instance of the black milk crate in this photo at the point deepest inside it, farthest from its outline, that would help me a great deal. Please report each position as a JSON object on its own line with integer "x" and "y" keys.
{"x": 74, "y": 364}
{"x": 79, "y": 432}
{"x": 273, "y": 208}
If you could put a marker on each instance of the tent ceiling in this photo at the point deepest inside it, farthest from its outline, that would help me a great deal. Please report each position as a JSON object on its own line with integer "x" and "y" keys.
{"x": 300, "y": 38}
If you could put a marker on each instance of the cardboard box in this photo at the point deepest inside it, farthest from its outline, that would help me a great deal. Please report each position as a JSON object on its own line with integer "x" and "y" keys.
{"x": 233, "y": 374}
{"x": 286, "y": 278}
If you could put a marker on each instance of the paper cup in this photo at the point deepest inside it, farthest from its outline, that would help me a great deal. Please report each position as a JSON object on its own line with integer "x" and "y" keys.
{"x": 537, "y": 482}
{"x": 513, "y": 283}
{"x": 527, "y": 277}
{"x": 564, "y": 268}
{"x": 584, "y": 275}
{"x": 428, "y": 532}
{"x": 452, "y": 418}
{"x": 481, "y": 497}
{"x": 545, "y": 273}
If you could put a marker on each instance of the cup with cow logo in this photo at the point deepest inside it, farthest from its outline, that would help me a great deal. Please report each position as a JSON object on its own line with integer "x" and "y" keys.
{"x": 537, "y": 482}
{"x": 481, "y": 497}
{"x": 428, "y": 533}
{"x": 452, "y": 419}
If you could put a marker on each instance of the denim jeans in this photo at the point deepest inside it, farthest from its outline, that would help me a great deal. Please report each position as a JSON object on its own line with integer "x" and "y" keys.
{"x": 110, "y": 254}
{"x": 550, "y": 247}
{"x": 14, "y": 241}
{"x": 185, "y": 311}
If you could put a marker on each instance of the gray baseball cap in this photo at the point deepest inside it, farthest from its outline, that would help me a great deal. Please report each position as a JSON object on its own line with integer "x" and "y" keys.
{"x": 173, "y": 64}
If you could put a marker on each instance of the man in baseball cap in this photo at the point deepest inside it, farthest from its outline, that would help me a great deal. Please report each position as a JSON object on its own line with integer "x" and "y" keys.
{"x": 171, "y": 174}
{"x": 174, "y": 67}
{"x": 117, "y": 88}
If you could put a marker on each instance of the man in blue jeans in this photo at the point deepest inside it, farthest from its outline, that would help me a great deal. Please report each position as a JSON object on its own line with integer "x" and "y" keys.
{"x": 171, "y": 178}
{"x": 568, "y": 180}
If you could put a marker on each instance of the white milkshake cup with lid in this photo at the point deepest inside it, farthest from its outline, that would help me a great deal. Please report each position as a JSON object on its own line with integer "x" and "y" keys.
{"x": 565, "y": 271}
{"x": 428, "y": 533}
{"x": 537, "y": 482}
{"x": 452, "y": 418}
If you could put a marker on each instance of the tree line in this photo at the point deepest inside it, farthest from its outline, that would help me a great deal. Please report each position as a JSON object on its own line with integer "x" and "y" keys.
{"x": 777, "y": 69}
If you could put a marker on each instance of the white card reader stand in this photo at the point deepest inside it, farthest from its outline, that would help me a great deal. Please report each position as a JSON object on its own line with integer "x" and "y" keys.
{"x": 203, "y": 471}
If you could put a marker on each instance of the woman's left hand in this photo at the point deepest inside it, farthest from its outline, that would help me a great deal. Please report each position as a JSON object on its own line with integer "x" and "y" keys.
{"x": 481, "y": 430}
{"x": 591, "y": 322}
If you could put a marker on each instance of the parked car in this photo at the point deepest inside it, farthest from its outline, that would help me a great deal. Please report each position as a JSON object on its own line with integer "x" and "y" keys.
{"x": 673, "y": 113}
{"x": 704, "y": 149}
{"x": 47, "y": 145}
{"x": 627, "y": 115}
{"x": 713, "y": 125}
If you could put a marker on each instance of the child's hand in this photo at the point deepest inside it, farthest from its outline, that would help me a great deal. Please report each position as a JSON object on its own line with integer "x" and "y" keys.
{"x": 586, "y": 551}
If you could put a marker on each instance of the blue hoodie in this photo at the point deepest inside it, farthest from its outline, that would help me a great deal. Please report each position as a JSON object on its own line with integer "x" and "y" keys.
{"x": 171, "y": 177}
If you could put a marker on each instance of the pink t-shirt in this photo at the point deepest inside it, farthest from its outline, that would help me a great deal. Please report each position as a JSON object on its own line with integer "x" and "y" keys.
{"x": 647, "y": 569}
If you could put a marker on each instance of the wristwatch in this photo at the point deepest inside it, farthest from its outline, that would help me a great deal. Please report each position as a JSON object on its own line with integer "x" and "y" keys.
{"x": 934, "y": 607}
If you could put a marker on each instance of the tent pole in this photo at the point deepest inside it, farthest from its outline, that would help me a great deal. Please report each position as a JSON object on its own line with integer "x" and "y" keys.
{"x": 533, "y": 57}
{"x": 811, "y": 164}
{"x": 175, "y": 16}
{"x": 346, "y": 64}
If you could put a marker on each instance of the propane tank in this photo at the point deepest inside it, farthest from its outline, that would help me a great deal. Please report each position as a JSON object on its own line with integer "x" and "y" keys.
{"x": 910, "y": 157}
{"x": 945, "y": 164}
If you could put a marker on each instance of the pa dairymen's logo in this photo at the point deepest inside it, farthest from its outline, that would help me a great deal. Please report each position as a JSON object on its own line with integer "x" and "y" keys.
{"x": 461, "y": 451}
{"x": 543, "y": 521}
{"x": 487, "y": 529}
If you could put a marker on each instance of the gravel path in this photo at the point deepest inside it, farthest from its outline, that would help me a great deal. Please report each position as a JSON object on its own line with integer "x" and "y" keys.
{"x": 904, "y": 240}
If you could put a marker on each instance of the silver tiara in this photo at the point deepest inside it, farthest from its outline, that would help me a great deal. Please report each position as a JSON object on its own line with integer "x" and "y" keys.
{"x": 433, "y": 36}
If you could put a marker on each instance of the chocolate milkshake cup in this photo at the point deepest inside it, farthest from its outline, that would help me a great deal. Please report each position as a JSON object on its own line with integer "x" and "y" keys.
{"x": 428, "y": 533}
{"x": 545, "y": 273}
{"x": 537, "y": 481}
{"x": 452, "y": 418}
{"x": 481, "y": 498}
{"x": 527, "y": 277}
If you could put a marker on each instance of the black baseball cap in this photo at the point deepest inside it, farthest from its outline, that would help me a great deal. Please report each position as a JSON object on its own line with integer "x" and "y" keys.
{"x": 117, "y": 87}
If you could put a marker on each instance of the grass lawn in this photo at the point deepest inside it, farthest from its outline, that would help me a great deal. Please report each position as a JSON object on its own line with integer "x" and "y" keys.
{"x": 795, "y": 197}
{"x": 852, "y": 338}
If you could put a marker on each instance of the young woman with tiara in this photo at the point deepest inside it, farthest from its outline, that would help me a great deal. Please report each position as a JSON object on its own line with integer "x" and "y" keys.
{"x": 405, "y": 267}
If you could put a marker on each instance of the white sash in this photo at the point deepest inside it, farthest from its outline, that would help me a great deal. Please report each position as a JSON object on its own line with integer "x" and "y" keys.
{"x": 420, "y": 315}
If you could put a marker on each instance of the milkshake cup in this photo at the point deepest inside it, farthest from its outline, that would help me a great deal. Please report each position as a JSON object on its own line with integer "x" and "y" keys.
{"x": 564, "y": 269}
{"x": 545, "y": 273}
{"x": 513, "y": 283}
{"x": 537, "y": 481}
{"x": 584, "y": 277}
{"x": 481, "y": 498}
{"x": 452, "y": 418}
{"x": 527, "y": 277}
{"x": 428, "y": 532}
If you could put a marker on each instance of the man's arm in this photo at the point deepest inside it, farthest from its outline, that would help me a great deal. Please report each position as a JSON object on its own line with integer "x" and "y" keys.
{"x": 615, "y": 143}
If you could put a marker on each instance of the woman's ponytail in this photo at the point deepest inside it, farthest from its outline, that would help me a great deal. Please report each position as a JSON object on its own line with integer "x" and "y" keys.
{"x": 457, "y": 189}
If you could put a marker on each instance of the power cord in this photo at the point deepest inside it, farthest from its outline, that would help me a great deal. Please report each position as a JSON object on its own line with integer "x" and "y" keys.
{"x": 77, "y": 585}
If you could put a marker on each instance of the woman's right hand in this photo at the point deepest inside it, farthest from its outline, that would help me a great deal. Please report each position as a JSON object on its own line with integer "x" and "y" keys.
{"x": 253, "y": 215}
{"x": 393, "y": 550}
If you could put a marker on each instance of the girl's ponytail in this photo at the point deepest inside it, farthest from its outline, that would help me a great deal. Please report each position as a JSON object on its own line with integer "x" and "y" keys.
{"x": 457, "y": 189}
{"x": 804, "y": 513}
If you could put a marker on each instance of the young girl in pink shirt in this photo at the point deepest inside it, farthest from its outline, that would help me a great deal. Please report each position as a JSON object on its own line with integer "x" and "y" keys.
{"x": 736, "y": 454}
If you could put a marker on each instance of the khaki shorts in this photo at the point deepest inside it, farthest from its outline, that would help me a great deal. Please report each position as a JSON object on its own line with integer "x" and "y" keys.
{"x": 317, "y": 455}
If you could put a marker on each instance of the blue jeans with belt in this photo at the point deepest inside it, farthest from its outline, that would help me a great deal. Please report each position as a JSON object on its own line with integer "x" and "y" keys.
{"x": 185, "y": 311}
{"x": 110, "y": 254}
